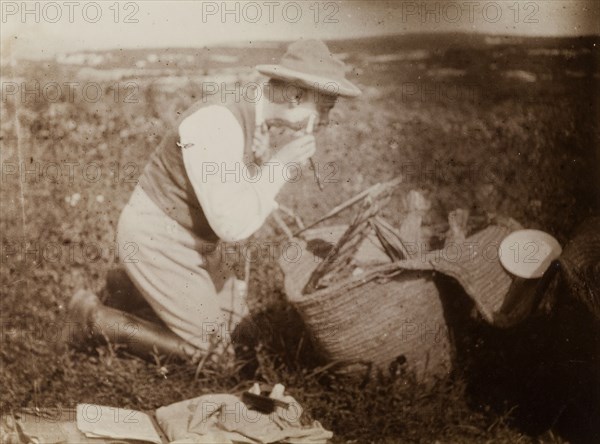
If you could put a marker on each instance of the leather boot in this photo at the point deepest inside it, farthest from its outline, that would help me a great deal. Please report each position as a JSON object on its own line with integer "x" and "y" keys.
{"x": 139, "y": 336}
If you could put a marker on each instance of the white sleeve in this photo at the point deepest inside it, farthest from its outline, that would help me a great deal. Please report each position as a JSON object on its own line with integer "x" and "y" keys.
{"x": 235, "y": 204}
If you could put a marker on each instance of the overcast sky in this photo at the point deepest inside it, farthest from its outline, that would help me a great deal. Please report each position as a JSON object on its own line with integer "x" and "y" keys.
{"x": 46, "y": 28}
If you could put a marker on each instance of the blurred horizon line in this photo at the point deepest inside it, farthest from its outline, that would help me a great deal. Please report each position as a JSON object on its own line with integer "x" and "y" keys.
{"x": 262, "y": 43}
{"x": 43, "y": 30}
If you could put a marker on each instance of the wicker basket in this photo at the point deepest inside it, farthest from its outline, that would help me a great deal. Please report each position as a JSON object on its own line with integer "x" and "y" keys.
{"x": 373, "y": 300}
{"x": 381, "y": 322}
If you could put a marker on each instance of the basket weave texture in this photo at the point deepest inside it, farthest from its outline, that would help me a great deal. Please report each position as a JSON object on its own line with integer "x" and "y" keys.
{"x": 372, "y": 320}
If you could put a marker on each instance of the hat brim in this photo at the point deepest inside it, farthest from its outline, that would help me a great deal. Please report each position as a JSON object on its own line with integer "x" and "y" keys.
{"x": 344, "y": 87}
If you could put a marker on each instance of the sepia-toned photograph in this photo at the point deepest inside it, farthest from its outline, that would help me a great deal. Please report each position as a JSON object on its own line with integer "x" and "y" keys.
{"x": 301, "y": 222}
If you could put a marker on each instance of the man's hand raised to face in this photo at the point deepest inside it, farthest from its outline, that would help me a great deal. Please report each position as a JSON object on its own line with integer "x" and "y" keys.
{"x": 298, "y": 150}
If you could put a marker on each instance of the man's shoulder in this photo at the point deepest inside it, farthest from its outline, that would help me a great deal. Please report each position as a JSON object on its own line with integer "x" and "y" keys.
{"x": 210, "y": 109}
{"x": 214, "y": 102}
{"x": 208, "y": 114}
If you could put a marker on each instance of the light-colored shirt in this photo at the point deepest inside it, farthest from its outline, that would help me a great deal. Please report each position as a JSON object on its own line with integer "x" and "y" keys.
{"x": 235, "y": 202}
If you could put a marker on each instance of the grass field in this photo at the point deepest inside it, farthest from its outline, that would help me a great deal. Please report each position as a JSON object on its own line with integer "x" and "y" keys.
{"x": 502, "y": 126}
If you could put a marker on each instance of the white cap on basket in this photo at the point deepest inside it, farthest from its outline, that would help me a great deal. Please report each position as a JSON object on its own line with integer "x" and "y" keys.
{"x": 528, "y": 253}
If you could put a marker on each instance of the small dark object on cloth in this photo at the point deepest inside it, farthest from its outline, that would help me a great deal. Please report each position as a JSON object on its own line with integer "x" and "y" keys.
{"x": 262, "y": 403}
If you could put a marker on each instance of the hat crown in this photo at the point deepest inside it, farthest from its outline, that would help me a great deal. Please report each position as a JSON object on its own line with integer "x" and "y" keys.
{"x": 313, "y": 57}
{"x": 309, "y": 63}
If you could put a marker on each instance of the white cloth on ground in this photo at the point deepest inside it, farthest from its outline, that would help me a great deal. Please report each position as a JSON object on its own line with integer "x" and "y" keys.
{"x": 224, "y": 418}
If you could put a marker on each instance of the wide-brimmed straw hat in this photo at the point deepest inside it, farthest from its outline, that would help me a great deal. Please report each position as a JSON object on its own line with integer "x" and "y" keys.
{"x": 310, "y": 64}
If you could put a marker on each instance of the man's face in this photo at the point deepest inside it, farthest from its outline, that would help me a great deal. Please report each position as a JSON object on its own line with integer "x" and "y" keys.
{"x": 296, "y": 113}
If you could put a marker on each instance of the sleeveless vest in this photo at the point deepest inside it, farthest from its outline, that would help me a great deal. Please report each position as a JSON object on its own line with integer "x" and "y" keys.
{"x": 165, "y": 179}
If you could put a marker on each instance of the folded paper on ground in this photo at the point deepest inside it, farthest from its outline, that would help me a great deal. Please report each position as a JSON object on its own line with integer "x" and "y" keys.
{"x": 97, "y": 421}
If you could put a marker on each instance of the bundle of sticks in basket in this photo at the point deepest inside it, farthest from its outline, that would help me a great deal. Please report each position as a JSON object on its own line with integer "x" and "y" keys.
{"x": 339, "y": 263}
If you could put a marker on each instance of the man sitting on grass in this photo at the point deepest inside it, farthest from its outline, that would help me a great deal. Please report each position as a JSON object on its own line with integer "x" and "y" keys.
{"x": 190, "y": 198}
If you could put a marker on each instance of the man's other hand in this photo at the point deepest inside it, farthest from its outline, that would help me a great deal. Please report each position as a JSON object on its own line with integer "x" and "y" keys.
{"x": 297, "y": 151}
